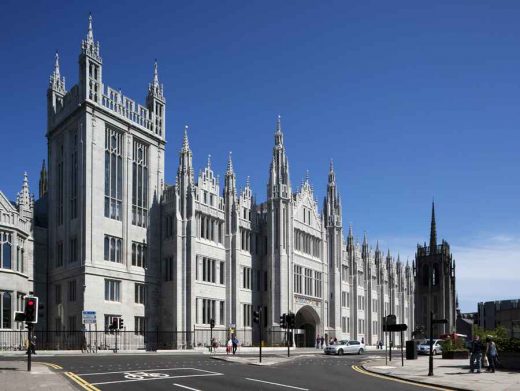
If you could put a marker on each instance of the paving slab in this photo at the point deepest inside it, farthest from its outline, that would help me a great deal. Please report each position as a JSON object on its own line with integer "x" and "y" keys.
{"x": 14, "y": 377}
{"x": 453, "y": 374}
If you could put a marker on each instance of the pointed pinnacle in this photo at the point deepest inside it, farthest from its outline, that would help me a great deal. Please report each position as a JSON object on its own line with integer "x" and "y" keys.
{"x": 230, "y": 163}
{"x": 90, "y": 34}
{"x": 57, "y": 65}
{"x": 209, "y": 161}
{"x": 185, "y": 142}
{"x": 279, "y": 124}
{"x": 248, "y": 183}
{"x": 331, "y": 165}
{"x": 365, "y": 237}
{"x": 350, "y": 230}
{"x": 155, "y": 74}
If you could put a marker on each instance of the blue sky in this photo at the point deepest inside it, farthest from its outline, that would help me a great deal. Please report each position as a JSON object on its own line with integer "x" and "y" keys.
{"x": 413, "y": 100}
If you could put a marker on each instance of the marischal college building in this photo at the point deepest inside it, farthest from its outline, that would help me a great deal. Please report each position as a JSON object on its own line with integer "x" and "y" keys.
{"x": 107, "y": 234}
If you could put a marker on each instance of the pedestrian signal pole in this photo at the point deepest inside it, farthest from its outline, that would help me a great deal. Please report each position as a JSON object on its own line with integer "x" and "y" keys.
{"x": 257, "y": 318}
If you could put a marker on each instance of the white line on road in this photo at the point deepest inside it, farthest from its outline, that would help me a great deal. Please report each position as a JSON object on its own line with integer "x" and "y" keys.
{"x": 186, "y": 387}
{"x": 148, "y": 370}
{"x": 165, "y": 378}
{"x": 278, "y": 384}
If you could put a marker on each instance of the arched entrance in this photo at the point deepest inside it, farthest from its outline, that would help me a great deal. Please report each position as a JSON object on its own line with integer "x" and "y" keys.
{"x": 307, "y": 322}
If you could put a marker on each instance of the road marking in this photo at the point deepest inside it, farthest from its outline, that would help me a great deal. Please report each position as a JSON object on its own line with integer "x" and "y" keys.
{"x": 143, "y": 370}
{"x": 162, "y": 378}
{"x": 186, "y": 387}
{"x": 55, "y": 366}
{"x": 278, "y": 384}
{"x": 365, "y": 372}
{"x": 83, "y": 383}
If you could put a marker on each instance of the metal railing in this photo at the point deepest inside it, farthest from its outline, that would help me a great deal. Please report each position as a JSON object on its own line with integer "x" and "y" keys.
{"x": 13, "y": 340}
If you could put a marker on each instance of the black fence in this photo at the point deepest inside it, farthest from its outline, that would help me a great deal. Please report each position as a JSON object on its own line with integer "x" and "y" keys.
{"x": 93, "y": 341}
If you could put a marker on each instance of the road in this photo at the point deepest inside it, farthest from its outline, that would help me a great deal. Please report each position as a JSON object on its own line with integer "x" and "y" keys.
{"x": 203, "y": 373}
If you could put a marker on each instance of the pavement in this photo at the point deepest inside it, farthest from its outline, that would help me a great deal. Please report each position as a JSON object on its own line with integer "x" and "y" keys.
{"x": 452, "y": 374}
{"x": 14, "y": 377}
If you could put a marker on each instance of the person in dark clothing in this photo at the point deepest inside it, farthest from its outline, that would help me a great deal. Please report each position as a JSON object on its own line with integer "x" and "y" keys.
{"x": 235, "y": 344}
{"x": 476, "y": 355}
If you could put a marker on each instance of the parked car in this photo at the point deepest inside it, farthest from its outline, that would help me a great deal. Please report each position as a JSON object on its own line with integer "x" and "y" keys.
{"x": 424, "y": 347}
{"x": 345, "y": 347}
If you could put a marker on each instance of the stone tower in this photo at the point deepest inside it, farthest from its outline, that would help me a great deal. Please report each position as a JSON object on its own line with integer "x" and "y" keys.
{"x": 434, "y": 273}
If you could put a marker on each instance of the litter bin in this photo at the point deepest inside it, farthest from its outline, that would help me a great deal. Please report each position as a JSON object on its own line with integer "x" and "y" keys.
{"x": 411, "y": 350}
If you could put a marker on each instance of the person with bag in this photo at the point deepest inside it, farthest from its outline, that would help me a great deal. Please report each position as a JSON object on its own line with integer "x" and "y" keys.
{"x": 476, "y": 355}
{"x": 491, "y": 353}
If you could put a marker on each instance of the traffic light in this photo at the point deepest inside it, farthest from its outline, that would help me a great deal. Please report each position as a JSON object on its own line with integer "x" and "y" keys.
{"x": 114, "y": 324}
{"x": 212, "y": 323}
{"x": 121, "y": 324}
{"x": 291, "y": 320}
{"x": 256, "y": 316}
{"x": 283, "y": 321}
{"x": 31, "y": 309}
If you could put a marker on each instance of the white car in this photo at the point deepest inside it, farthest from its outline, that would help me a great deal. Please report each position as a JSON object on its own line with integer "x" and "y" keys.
{"x": 424, "y": 347}
{"x": 345, "y": 347}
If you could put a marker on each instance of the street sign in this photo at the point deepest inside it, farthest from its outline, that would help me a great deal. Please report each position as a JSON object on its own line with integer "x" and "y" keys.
{"x": 391, "y": 319}
{"x": 395, "y": 327}
{"x": 88, "y": 317}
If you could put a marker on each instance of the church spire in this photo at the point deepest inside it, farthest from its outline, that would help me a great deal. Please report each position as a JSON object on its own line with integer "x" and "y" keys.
{"x": 279, "y": 183}
{"x": 88, "y": 46}
{"x": 24, "y": 199}
{"x": 90, "y": 33}
{"x": 56, "y": 82}
{"x": 433, "y": 231}
{"x": 43, "y": 181}
{"x": 230, "y": 164}
{"x": 155, "y": 89}
{"x": 185, "y": 141}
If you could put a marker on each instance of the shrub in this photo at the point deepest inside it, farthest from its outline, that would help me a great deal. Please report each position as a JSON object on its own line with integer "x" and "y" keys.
{"x": 453, "y": 345}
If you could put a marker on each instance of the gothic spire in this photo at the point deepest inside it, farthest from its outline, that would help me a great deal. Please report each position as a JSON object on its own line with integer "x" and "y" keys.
{"x": 230, "y": 164}
{"x": 24, "y": 197}
{"x": 155, "y": 74}
{"x": 185, "y": 142}
{"x": 90, "y": 33}
{"x": 56, "y": 82}
{"x": 43, "y": 181}
{"x": 155, "y": 89}
{"x": 433, "y": 231}
{"x": 88, "y": 46}
{"x": 278, "y": 135}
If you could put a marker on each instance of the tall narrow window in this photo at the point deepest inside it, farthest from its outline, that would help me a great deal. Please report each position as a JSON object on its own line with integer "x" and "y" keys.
{"x": 5, "y": 304}
{"x": 74, "y": 176}
{"x": 59, "y": 187}
{"x": 5, "y": 250}
{"x": 113, "y": 173}
{"x": 113, "y": 248}
{"x": 140, "y": 184}
{"x": 139, "y": 254}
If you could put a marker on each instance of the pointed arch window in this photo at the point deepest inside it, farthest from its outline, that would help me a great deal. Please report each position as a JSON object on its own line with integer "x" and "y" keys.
{"x": 139, "y": 184}
{"x": 6, "y": 250}
{"x": 113, "y": 174}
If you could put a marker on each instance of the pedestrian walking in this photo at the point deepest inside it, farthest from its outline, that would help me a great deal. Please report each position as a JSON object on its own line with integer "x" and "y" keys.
{"x": 235, "y": 344}
{"x": 363, "y": 340}
{"x": 491, "y": 353}
{"x": 322, "y": 340}
{"x": 476, "y": 355}
{"x": 318, "y": 341}
{"x": 229, "y": 346}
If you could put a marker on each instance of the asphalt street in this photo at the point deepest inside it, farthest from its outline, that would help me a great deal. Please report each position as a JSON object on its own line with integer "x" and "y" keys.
{"x": 203, "y": 373}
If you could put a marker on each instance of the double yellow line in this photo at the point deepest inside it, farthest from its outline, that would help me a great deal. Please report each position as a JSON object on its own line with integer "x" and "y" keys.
{"x": 362, "y": 370}
{"x": 55, "y": 366}
{"x": 83, "y": 383}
